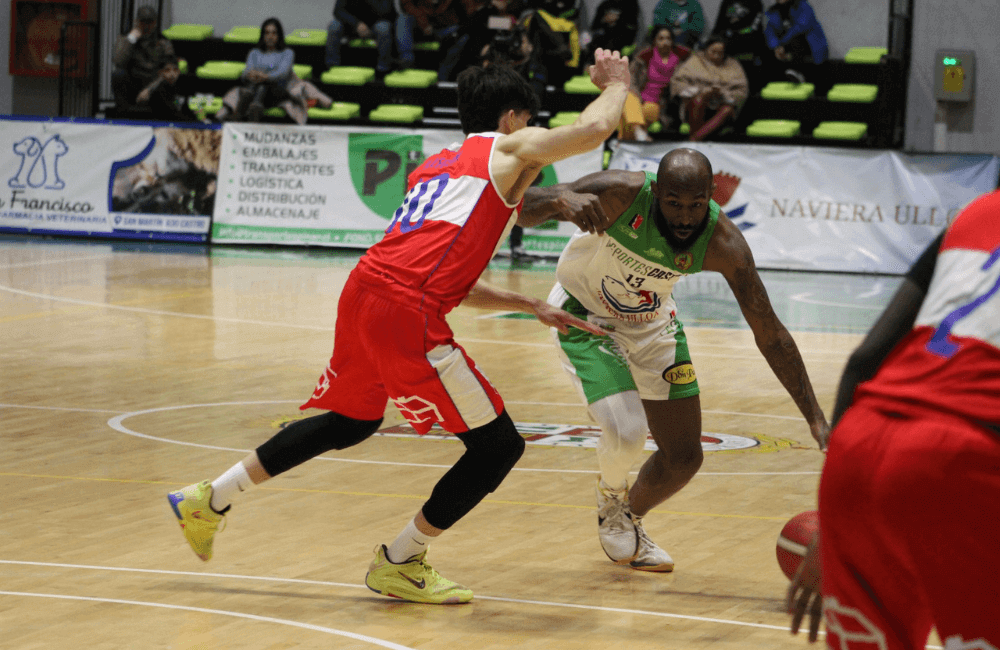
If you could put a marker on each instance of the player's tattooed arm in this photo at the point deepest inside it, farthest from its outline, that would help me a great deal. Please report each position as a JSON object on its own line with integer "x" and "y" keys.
{"x": 730, "y": 254}
{"x": 593, "y": 202}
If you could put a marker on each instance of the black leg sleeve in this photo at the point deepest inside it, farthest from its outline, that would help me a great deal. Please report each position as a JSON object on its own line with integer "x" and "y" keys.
{"x": 491, "y": 452}
{"x": 308, "y": 438}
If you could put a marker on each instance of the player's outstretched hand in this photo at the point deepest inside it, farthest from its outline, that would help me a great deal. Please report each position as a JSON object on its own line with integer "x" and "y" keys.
{"x": 584, "y": 210}
{"x": 563, "y": 320}
{"x": 804, "y": 595}
{"x": 609, "y": 67}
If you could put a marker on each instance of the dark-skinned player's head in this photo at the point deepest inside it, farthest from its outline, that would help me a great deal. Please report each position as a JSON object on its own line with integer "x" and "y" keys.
{"x": 684, "y": 186}
{"x": 487, "y": 96}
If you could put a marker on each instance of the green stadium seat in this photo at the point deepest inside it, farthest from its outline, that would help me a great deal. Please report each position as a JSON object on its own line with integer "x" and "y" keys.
{"x": 684, "y": 129}
{"x": 344, "y": 75}
{"x": 788, "y": 91}
{"x": 867, "y": 55}
{"x": 230, "y": 70}
{"x": 774, "y": 128}
{"x": 427, "y": 46}
{"x": 276, "y": 112}
{"x": 840, "y": 130}
{"x": 213, "y": 106}
{"x": 411, "y": 79}
{"x": 306, "y": 37}
{"x": 858, "y": 93}
{"x": 182, "y": 65}
{"x": 655, "y": 127}
{"x": 581, "y": 85}
{"x": 563, "y": 118}
{"x": 303, "y": 71}
{"x": 185, "y": 32}
{"x": 397, "y": 113}
{"x": 242, "y": 34}
{"x": 628, "y": 50}
{"x": 339, "y": 111}
{"x": 368, "y": 43}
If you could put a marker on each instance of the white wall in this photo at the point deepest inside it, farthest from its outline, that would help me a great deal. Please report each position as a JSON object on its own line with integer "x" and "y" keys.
{"x": 962, "y": 25}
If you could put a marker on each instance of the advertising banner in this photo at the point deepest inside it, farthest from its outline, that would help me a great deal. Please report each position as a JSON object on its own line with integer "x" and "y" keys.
{"x": 127, "y": 181}
{"x": 825, "y": 209}
{"x": 338, "y": 186}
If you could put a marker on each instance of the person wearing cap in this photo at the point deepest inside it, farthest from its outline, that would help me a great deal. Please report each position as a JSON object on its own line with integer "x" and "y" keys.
{"x": 139, "y": 56}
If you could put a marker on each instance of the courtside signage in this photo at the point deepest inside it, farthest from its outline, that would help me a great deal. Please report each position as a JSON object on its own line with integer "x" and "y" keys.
{"x": 127, "y": 181}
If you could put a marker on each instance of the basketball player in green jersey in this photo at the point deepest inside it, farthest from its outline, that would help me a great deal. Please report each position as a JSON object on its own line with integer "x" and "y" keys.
{"x": 638, "y": 379}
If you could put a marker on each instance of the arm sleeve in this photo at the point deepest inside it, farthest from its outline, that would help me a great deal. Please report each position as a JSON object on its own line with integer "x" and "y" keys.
{"x": 803, "y": 23}
{"x": 283, "y": 70}
{"x": 770, "y": 37}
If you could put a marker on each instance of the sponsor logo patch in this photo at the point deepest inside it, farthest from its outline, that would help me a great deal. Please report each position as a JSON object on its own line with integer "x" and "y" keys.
{"x": 683, "y": 261}
{"x": 680, "y": 374}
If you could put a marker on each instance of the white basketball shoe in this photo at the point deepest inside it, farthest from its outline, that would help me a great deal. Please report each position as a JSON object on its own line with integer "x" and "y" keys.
{"x": 650, "y": 556}
{"x": 618, "y": 534}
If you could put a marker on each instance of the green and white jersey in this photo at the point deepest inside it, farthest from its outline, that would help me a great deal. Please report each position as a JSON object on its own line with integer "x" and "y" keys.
{"x": 630, "y": 272}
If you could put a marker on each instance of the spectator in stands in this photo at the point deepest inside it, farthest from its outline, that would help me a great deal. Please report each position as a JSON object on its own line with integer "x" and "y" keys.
{"x": 438, "y": 20}
{"x": 711, "y": 87}
{"x": 685, "y": 17}
{"x": 269, "y": 80}
{"x": 741, "y": 23}
{"x": 476, "y": 34}
{"x": 796, "y": 40}
{"x": 139, "y": 56}
{"x": 554, "y": 34}
{"x": 651, "y": 68}
{"x": 366, "y": 19}
{"x": 615, "y": 27}
{"x": 163, "y": 99}
{"x": 512, "y": 47}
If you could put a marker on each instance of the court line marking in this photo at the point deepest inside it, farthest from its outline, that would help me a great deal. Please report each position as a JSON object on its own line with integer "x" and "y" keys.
{"x": 116, "y": 424}
{"x": 316, "y": 328}
{"x": 221, "y": 612}
{"x": 21, "y": 265}
{"x": 805, "y": 298}
{"x": 519, "y": 601}
{"x": 323, "y": 583}
{"x": 415, "y": 497}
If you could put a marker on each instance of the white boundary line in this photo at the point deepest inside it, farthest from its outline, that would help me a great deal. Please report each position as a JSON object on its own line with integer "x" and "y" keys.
{"x": 519, "y": 601}
{"x": 220, "y": 612}
{"x": 116, "y": 424}
{"x": 386, "y": 644}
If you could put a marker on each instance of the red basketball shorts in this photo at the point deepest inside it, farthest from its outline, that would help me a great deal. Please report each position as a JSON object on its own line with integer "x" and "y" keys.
{"x": 910, "y": 526}
{"x": 387, "y": 350}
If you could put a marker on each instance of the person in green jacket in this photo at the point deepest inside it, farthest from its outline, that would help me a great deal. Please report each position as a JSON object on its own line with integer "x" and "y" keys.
{"x": 685, "y": 17}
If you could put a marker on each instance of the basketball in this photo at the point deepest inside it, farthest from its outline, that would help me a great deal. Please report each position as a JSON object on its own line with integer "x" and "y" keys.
{"x": 794, "y": 540}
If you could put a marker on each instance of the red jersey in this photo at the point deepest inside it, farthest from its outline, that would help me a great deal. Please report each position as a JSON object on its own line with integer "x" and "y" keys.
{"x": 447, "y": 230}
{"x": 951, "y": 360}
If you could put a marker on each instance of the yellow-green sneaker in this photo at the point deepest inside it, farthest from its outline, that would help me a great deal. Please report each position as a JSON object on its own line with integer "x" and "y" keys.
{"x": 413, "y": 580}
{"x": 192, "y": 505}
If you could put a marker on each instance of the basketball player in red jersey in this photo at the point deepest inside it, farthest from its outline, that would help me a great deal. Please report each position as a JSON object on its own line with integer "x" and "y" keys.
{"x": 392, "y": 340}
{"x": 909, "y": 501}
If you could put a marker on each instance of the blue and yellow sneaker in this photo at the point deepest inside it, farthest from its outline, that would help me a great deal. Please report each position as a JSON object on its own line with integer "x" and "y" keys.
{"x": 192, "y": 505}
{"x": 413, "y": 580}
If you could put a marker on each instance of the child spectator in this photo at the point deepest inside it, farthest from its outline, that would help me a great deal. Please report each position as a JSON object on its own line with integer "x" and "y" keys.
{"x": 162, "y": 98}
{"x": 651, "y": 68}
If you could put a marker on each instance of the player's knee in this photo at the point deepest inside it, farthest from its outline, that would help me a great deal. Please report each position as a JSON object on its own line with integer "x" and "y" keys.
{"x": 679, "y": 461}
{"x": 496, "y": 447}
{"x": 305, "y": 439}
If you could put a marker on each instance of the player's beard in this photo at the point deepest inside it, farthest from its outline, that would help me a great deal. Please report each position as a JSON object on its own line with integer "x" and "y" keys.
{"x": 676, "y": 244}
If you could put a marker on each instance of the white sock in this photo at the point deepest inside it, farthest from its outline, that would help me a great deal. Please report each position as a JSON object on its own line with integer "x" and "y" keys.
{"x": 227, "y": 486}
{"x": 409, "y": 543}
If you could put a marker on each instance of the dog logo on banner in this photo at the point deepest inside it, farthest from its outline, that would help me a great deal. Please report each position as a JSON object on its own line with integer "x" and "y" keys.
{"x": 39, "y": 163}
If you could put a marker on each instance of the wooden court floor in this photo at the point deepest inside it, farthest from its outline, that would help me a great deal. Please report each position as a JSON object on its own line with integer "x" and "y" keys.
{"x": 127, "y": 371}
